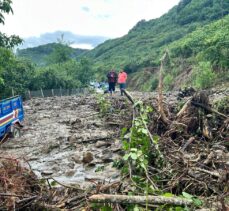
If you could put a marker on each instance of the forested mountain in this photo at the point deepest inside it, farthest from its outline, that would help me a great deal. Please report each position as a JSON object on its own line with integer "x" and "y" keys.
{"x": 42, "y": 54}
{"x": 195, "y": 32}
{"x": 142, "y": 45}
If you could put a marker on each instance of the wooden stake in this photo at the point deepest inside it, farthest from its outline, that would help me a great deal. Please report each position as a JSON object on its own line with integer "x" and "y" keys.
{"x": 42, "y": 94}
{"x": 13, "y": 92}
{"x": 29, "y": 94}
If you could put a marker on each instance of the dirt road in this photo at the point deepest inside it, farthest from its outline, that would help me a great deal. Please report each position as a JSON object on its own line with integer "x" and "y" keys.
{"x": 65, "y": 138}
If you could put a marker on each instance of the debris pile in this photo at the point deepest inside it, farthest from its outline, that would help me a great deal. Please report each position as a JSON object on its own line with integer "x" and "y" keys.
{"x": 19, "y": 186}
{"x": 85, "y": 144}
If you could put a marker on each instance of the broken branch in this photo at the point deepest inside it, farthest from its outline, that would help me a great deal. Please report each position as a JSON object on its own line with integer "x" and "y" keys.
{"x": 124, "y": 199}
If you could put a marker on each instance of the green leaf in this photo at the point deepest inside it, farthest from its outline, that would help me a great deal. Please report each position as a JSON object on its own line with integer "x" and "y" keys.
{"x": 127, "y": 136}
{"x": 143, "y": 166}
{"x": 187, "y": 195}
{"x": 168, "y": 195}
{"x": 133, "y": 150}
{"x": 133, "y": 156}
{"x": 106, "y": 208}
{"x": 126, "y": 157}
{"x": 144, "y": 131}
{"x": 136, "y": 208}
{"x": 197, "y": 202}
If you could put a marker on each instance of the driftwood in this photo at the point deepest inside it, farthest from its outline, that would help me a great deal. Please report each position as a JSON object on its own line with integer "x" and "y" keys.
{"x": 190, "y": 140}
{"x": 128, "y": 95}
{"x": 124, "y": 199}
{"x": 207, "y": 108}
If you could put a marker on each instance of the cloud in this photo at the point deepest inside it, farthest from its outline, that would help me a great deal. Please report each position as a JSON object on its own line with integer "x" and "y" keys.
{"x": 85, "y": 9}
{"x": 107, "y": 18}
{"x": 78, "y": 41}
{"x": 104, "y": 16}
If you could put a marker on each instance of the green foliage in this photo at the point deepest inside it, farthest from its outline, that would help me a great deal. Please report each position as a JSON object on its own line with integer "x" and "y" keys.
{"x": 20, "y": 74}
{"x": 137, "y": 142}
{"x": 204, "y": 76}
{"x": 7, "y": 41}
{"x": 196, "y": 202}
{"x": 70, "y": 74}
{"x": 221, "y": 105}
{"x": 168, "y": 81}
{"x": 104, "y": 104}
{"x": 144, "y": 43}
{"x": 209, "y": 43}
{"x": 16, "y": 74}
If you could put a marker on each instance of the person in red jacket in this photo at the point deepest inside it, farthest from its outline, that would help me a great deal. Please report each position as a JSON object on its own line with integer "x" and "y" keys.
{"x": 112, "y": 80}
{"x": 122, "y": 77}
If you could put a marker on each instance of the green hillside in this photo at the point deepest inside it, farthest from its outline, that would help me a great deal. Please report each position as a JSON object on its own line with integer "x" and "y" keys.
{"x": 144, "y": 44}
{"x": 195, "y": 32}
{"x": 40, "y": 55}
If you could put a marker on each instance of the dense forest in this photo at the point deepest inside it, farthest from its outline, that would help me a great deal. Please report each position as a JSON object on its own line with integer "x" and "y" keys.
{"x": 196, "y": 34}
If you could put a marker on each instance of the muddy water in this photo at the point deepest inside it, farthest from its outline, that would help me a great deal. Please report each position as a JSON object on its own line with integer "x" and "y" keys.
{"x": 64, "y": 138}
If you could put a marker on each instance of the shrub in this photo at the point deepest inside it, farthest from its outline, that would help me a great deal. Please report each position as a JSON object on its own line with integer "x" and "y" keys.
{"x": 204, "y": 76}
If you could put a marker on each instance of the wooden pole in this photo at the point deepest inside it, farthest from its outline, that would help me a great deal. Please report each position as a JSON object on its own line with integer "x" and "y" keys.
{"x": 60, "y": 92}
{"x": 124, "y": 199}
{"x": 12, "y": 91}
{"x": 42, "y": 94}
{"x": 52, "y": 93}
{"x": 29, "y": 94}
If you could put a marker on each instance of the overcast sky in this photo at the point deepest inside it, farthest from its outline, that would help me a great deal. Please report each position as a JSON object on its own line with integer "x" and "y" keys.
{"x": 109, "y": 18}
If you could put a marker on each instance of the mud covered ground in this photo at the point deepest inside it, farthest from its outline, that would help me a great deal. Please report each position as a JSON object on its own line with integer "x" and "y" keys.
{"x": 76, "y": 140}
{"x": 66, "y": 138}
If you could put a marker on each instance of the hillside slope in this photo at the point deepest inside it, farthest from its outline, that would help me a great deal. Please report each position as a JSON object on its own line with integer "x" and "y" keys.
{"x": 39, "y": 55}
{"x": 143, "y": 44}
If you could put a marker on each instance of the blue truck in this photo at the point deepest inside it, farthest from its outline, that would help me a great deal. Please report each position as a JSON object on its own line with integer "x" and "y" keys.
{"x": 11, "y": 117}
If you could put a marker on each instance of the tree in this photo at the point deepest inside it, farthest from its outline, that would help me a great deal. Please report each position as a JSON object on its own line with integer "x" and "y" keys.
{"x": 61, "y": 53}
{"x": 7, "y": 41}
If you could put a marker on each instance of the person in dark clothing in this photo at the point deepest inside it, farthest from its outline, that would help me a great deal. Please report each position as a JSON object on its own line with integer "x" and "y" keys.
{"x": 112, "y": 80}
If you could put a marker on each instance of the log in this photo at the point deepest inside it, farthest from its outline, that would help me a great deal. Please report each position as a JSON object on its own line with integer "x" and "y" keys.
{"x": 207, "y": 108}
{"x": 124, "y": 199}
{"x": 130, "y": 98}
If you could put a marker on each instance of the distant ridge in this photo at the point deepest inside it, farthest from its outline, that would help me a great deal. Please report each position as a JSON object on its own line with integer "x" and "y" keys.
{"x": 39, "y": 54}
{"x": 81, "y": 40}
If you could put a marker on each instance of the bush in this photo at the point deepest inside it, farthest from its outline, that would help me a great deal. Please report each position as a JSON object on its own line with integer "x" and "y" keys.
{"x": 204, "y": 76}
{"x": 168, "y": 81}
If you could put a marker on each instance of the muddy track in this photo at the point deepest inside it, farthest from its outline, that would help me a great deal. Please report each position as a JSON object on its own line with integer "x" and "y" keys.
{"x": 65, "y": 138}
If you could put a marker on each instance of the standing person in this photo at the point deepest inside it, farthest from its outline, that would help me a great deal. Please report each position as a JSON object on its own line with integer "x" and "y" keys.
{"x": 122, "y": 77}
{"x": 112, "y": 80}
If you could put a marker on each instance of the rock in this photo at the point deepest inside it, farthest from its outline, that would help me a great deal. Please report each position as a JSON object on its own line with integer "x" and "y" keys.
{"x": 107, "y": 158}
{"x": 71, "y": 165}
{"x": 46, "y": 173}
{"x": 70, "y": 173}
{"x": 56, "y": 168}
{"x": 98, "y": 124}
{"x": 102, "y": 143}
{"x": 77, "y": 159}
{"x": 72, "y": 139}
{"x": 26, "y": 107}
{"x": 87, "y": 157}
{"x": 115, "y": 176}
